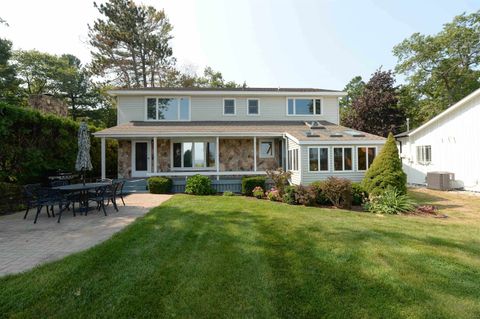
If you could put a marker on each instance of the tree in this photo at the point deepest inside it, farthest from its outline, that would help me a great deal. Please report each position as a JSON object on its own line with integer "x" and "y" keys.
{"x": 386, "y": 171}
{"x": 376, "y": 109}
{"x": 443, "y": 68}
{"x": 131, "y": 43}
{"x": 8, "y": 81}
{"x": 354, "y": 89}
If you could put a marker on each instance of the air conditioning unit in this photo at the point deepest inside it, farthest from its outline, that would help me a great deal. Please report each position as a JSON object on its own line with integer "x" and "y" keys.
{"x": 440, "y": 180}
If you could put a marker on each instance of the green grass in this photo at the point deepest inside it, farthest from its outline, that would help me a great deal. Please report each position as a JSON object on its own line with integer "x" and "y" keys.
{"x": 236, "y": 257}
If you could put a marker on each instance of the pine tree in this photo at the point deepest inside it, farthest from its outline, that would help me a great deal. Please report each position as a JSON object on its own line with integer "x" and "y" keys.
{"x": 386, "y": 170}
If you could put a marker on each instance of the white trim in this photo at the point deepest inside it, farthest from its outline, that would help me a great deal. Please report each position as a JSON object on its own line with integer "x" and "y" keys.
{"x": 234, "y": 106}
{"x": 193, "y": 168}
{"x": 155, "y": 155}
{"x": 451, "y": 109}
{"x": 318, "y": 154}
{"x": 103, "y": 160}
{"x": 217, "y": 154}
{"x": 368, "y": 159}
{"x": 208, "y": 173}
{"x": 189, "y": 134}
{"x": 245, "y": 92}
{"x": 332, "y": 142}
{"x": 343, "y": 158}
{"x": 136, "y": 173}
{"x": 156, "y": 97}
{"x": 255, "y": 153}
{"x": 260, "y": 148}
{"x": 303, "y": 98}
{"x": 298, "y": 159}
{"x": 248, "y": 107}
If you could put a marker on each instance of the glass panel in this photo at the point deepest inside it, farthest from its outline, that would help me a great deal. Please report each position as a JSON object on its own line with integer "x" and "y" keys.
{"x": 252, "y": 106}
{"x": 295, "y": 152}
{"x": 318, "y": 107}
{"x": 347, "y": 154}
{"x": 141, "y": 161}
{"x": 266, "y": 149}
{"x": 199, "y": 154}
{"x": 428, "y": 154}
{"x": 211, "y": 154}
{"x": 313, "y": 159}
{"x": 290, "y": 107}
{"x": 177, "y": 154}
{"x": 303, "y": 106}
{"x": 167, "y": 109}
{"x": 362, "y": 158}
{"x": 324, "y": 159}
{"x": 372, "y": 152}
{"x": 229, "y": 106}
{"x": 151, "y": 109}
{"x": 337, "y": 159}
{"x": 184, "y": 109}
{"x": 187, "y": 154}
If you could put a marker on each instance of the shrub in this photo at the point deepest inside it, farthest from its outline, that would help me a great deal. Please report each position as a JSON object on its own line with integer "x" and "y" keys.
{"x": 304, "y": 195}
{"x": 199, "y": 185}
{"x": 160, "y": 185}
{"x": 274, "y": 195}
{"x": 289, "y": 196}
{"x": 359, "y": 195}
{"x": 228, "y": 193}
{"x": 257, "y": 192}
{"x": 391, "y": 201}
{"x": 386, "y": 171}
{"x": 338, "y": 191}
{"x": 280, "y": 179}
{"x": 250, "y": 182}
{"x": 320, "y": 198}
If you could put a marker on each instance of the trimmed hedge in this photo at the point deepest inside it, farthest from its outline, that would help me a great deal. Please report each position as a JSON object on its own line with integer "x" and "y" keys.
{"x": 250, "y": 182}
{"x": 199, "y": 185}
{"x": 33, "y": 143}
{"x": 359, "y": 195}
{"x": 160, "y": 185}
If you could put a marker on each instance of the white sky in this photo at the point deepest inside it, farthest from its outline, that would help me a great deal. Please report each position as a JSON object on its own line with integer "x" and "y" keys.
{"x": 297, "y": 43}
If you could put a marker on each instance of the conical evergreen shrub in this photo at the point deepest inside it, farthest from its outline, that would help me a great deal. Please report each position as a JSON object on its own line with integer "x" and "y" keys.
{"x": 386, "y": 170}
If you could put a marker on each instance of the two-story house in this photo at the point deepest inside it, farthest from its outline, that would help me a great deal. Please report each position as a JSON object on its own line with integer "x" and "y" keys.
{"x": 224, "y": 133}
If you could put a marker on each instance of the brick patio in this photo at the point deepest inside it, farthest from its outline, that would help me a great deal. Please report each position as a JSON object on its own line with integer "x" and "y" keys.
{"x": 24, "y": 245}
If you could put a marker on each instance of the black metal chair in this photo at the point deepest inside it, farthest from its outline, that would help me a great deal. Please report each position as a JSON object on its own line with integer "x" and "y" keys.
{"x": 99, "y": 197}
{"x": 49, "y": 198}
{"x": 31, "y": 197}
{"x": 120, "y": 193}
{"x": 104, "y": 180}
{"x": 58, "y": 183}
{"x": 111, "y": 194}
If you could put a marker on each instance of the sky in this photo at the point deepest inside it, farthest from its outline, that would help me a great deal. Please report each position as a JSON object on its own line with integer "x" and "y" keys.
{"x": 266, "y": 43}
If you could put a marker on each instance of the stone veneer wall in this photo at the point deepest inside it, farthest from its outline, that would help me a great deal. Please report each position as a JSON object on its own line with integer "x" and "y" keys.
{"x": 124, "y": 159}
{"x": 163, "y": 153}
{"x": 237, "y": 155}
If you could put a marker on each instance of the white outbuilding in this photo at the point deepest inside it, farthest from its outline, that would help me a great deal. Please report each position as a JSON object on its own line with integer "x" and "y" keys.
{"x": 449, "y": 142}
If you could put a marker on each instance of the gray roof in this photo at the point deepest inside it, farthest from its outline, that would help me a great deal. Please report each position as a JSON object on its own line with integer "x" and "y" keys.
{"x": 239, "y": 89}
{"x": 297, "y": 129}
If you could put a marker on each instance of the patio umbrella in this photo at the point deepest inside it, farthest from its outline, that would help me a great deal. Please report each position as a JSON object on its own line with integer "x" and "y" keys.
{"x": 83, "y": 157}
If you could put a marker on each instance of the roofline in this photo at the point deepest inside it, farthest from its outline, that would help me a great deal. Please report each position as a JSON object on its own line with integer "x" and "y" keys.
{"x": 333, "y": 142}
{"x": 451, "y": 109}
{"x": 246, "y": 92}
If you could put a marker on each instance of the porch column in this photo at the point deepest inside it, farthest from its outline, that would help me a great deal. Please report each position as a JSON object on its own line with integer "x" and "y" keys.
{"x": 103, "y": 167}
{"x": 155, "y": 155}
{"x": 255, "y": 153}
{"x": 217, "y": 156}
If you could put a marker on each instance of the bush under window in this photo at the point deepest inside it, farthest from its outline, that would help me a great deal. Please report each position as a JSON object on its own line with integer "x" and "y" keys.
{"x": 199, "y": 185}
{"x": 250, "y": 182}
{"x": 359, "y": 195}
{"x": 338, "y": 191}
{"x": 320, "y": 198}
{"x": 160, "y": 185}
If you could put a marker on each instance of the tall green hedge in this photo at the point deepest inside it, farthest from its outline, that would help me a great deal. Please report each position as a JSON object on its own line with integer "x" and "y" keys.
{"x": 386, "y": 171}
{"x": 32, "y": 143}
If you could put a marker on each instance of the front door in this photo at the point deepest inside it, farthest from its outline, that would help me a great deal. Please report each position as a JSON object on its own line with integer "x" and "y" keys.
{"x": 140, "y": 158}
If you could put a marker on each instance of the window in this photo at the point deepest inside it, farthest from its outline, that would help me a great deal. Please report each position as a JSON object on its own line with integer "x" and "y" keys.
{"x": 365, "y": 157}
{"x": 266, "y": 149}
{"x": 194, "y": 155}
{"x": 253, "y": 107}
{"x": 318, "y": 159}
{"x": 424, "y": 154}
{"x": 342, "y": 158}
{"x": 229, "y": 107}
{"x": 293, "y": 160}
{"x": 168, "y": 109}
{"x": 304, "y": 106}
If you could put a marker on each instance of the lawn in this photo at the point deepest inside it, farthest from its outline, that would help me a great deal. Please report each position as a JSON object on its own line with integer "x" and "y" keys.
{"x": 236, "y": 257}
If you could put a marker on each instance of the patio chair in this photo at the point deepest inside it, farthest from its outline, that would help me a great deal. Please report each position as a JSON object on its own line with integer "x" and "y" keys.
{"x": 104, "y": 180}
{"x": 99, "y": 197}
{"x": 30, "y": 193}
{"x": 58, "y": 183}
{"x": 49, "y": 198}
{"x": 121, "y": 184}
{"x": 111, "y": 194}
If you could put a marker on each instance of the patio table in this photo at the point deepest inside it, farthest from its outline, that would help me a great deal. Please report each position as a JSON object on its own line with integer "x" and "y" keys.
{"x": 83, "y": 190}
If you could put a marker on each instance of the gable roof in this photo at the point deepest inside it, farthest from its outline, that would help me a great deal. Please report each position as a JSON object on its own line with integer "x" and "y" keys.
{"x": 225, "y": 91}
{"x": 445, "y": 113}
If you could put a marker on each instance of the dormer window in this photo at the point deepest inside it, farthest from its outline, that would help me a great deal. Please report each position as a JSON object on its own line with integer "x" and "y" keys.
{"x": 168, "y": 109}
{"x": 303, "y": 106}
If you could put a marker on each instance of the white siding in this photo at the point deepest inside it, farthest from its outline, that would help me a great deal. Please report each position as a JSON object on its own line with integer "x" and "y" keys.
{"x": 210, "y": 108}
{"x": 296, "y": 177}
{"x": 455, "y": 142}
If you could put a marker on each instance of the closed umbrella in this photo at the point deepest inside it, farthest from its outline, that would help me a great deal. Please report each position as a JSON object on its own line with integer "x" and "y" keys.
{"x": 83, "y": 157}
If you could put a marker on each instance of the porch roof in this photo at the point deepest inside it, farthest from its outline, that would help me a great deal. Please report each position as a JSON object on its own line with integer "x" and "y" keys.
{"x": 296, "y": 130}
